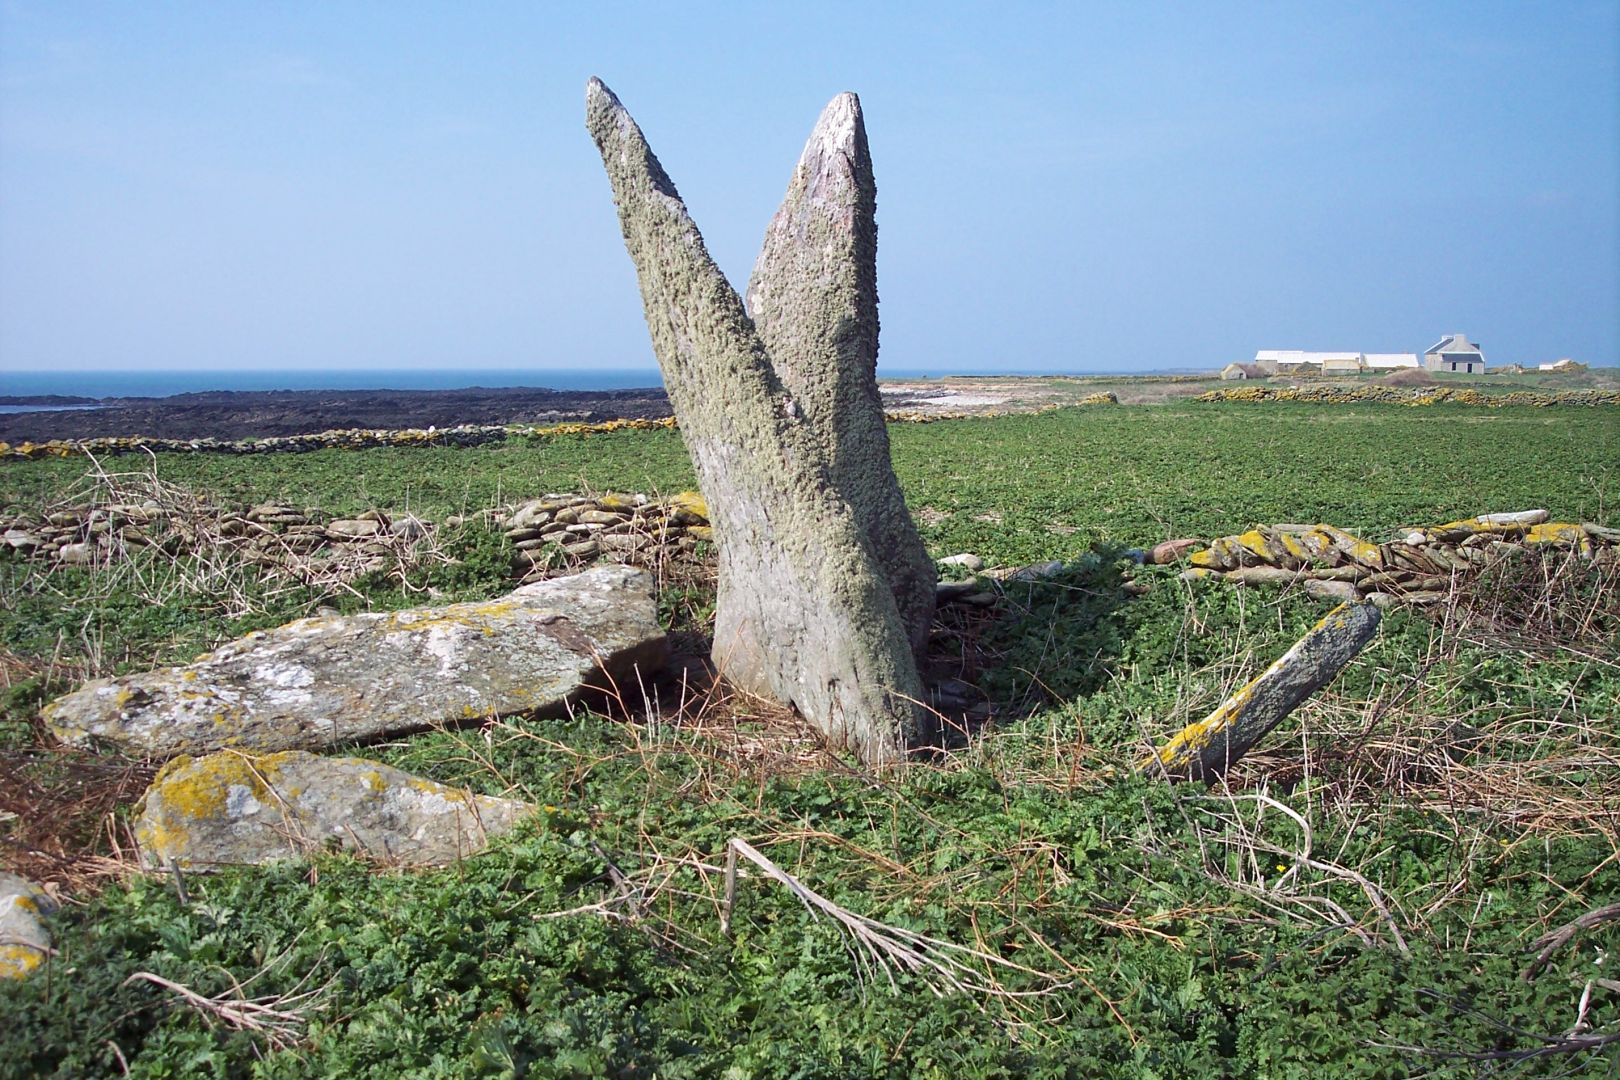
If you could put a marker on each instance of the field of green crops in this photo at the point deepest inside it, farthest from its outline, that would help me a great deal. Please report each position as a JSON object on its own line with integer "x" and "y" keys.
{"x": 1362, "y": 898}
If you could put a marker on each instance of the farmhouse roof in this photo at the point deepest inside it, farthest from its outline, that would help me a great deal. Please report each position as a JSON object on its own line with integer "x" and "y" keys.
{"x": 1392, "y": 360}
{"x": 1453, "y": 343}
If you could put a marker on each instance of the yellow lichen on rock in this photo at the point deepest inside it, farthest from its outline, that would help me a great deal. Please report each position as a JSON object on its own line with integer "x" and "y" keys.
{"x": 1557, "y": 532}
{"x": 1247, "y": 715}
{"x": 231, "y": 808}
{"x": 17, "y": 961}
{"x": 471, "y": 616}
{"x": 190, "y": 788}
{"x": 692, "y": 502}
{"x": 1254, "y": 542}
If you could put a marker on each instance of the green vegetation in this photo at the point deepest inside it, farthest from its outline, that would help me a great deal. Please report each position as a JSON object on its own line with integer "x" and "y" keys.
{"x": 1459, "y": 785}
{"x": 1130, "y": 475}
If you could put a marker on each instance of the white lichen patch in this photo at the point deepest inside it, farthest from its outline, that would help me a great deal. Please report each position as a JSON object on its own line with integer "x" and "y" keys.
{"x": 286, "y": 675}
{"x": 240, "y": 803}
{"x": 443, "y": 643}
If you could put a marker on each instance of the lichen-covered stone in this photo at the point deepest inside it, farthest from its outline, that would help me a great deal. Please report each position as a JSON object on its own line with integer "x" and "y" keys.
{"x": 1336, "y": 591}
{"x": 334, "y": 679}
{"x": 805, "y": 614}
{"x": 1206, "y": 749}
{"x": 814, "y": 302}
{"x": 232, "y": 807}
{"x": 24, "y": 940}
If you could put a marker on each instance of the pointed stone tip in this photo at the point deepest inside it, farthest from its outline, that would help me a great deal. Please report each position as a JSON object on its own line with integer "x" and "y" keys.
{"x": 842, "y": 112}
{"x": 603, "y": 110}
{"x": 839, "y": 129}
{"x": 597, "y": 95}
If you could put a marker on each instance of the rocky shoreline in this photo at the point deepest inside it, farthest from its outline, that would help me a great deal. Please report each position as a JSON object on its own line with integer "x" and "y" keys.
{"x": 238, "y": 416}
{"x": 230, "y": 415}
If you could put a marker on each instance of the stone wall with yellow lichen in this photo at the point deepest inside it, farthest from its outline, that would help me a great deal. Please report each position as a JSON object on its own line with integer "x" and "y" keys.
{"x": 370, "y": 438}
{"x": 1417, "y": 566}
{"x": 1419, "y": 396}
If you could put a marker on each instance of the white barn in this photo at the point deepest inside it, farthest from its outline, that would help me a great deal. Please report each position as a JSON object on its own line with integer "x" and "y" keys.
{"x": 1286, "y": 361}
{"x": 1391, "y": 361}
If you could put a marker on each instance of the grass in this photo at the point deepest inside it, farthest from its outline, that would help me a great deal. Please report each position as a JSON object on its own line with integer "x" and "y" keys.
{"x": 1361, "y": 899}
{"x": 1130, "y": 475}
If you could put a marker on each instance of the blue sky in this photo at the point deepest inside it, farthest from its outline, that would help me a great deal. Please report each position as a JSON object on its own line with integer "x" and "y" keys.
{"x": 1060, "y": 186}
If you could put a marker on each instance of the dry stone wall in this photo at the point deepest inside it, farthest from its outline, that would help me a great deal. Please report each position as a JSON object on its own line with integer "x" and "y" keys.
{"x": 336, "y": 439}
{"x": 1428, "y": 395}
{"x": 551, "y": 534}
{"x": 370, "y": 438}
{"x": 1417, "y": 566}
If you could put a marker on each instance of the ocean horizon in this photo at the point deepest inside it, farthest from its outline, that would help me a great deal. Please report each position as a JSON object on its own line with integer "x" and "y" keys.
{"x": 152, "y": 383}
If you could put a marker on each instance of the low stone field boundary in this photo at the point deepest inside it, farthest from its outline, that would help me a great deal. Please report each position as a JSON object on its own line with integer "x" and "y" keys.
{"x": 370, "y": 438}
{"x": 1398, "y": 395}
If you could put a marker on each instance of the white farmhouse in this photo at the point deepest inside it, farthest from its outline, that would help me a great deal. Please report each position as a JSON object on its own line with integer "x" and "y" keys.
{"x": 1455, "y": 353}
{"x": 1452, "y": 353}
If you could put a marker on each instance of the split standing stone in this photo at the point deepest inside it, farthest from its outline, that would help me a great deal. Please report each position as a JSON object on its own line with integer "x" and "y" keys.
{"x": 806, "y": 613}
{"x": 814, "y": 302}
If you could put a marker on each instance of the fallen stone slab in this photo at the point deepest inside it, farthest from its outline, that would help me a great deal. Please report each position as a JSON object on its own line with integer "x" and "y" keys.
{"x": 1205, "y": 750}
{"x": 24, "y": 941}
{"x": 335, "y": 679}
{"x": 232, "y": 808}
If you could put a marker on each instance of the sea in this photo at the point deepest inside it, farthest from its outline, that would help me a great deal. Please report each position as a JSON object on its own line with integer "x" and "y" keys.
{"x": 151, "y": 383}
{"x": 119, "y": 384}
{"x": 99, "y": 385}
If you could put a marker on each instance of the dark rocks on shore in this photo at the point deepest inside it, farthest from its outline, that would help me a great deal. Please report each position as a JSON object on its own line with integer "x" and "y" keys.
{"x": 46, "y": 401}
{"x": 243, "y": 414}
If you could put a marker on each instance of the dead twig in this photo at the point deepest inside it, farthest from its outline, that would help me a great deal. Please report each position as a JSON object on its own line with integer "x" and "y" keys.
{"x": 280, "y": 1018}
{"x": 1551, "y": 942}
{"x": 940, "y": 964}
